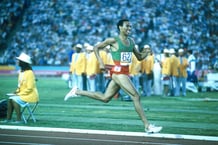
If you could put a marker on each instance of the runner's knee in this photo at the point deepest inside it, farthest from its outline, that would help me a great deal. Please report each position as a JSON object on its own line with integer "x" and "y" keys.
{"x": 136, "y": 96}
{"x": 106, "y": 99}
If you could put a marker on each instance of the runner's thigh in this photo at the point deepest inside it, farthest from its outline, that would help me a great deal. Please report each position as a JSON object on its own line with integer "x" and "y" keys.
{"x": 112, "y": 89}
{"x": 125, "y": 83}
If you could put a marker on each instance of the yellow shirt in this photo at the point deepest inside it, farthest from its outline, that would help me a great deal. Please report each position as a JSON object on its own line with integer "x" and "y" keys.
{"x": 182, "y": 67}
{"x": 92, "y": 64}
{"x": 109, "y": 59}
{"x": 174, "y": 65}
{"x": 78, "y": 63}
{"x": 103, "y": 54}
{"x": 148, "y": 64}
{"x": 166, "y": 66}
{"x": 27, "y": 87}
{"x": 135, "y": 66}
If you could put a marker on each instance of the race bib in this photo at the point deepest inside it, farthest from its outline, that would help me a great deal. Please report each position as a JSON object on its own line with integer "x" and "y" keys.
{"x": 117, "y": 68}
{"x": 126, "y": 58}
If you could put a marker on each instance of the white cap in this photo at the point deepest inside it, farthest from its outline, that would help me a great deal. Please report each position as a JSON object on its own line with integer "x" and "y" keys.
{"x": 79, "y": 46}
{"x": 86, "y": 44}
{"x": 172, "y": 51}
{"x": 146, "y": 46}
{"x": 181, "y": 50}
{"x": 25, "y": 58}
{"x": 90, "y": 47}
{"x": 166, "y": 50}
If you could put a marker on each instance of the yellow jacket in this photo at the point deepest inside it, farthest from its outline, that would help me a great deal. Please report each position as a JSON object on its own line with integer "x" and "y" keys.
{"x": 135, "y": 66}
{"x": 183, "y": 67}
{"x": 166, "y": 66}
{"x": 92, "y": 64}
{"x": 109, "y": 59}
{"x": 174, "y": 62}
{"x": 78, "y": 63}
{"x": 27, "y": 87}
{"x": 148, "y": 64}
{"x": 103, "y": 54}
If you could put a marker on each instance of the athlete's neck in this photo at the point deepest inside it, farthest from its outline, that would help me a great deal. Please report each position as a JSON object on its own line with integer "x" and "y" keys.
{"x": 123, "y": 37}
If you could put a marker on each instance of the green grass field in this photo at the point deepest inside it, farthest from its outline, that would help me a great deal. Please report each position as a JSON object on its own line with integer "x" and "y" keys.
{"x": 178, "y": 115}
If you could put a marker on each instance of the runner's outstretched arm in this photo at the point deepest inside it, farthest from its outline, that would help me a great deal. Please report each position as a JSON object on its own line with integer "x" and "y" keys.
{"x": 108, "y": 41}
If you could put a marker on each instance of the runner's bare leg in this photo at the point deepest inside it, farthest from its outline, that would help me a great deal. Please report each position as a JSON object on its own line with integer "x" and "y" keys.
{"x": 127, "y": 86}
{"x": 111, "y": 90}
{"x": 117, "y": 82}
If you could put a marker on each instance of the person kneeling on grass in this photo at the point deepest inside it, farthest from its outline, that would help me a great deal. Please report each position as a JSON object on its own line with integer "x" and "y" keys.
{"x": 26, "y": 91}
{"x": 121, "y": 48}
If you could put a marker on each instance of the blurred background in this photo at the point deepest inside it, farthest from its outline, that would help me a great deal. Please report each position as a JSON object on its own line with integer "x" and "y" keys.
{"x": 48, "y": 29}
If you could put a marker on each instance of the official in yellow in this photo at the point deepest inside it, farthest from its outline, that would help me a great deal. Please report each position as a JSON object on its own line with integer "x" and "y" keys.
{"x": 78, "y": 67}
{"x": 183, "y": 64}
{"x": 109, "y": 64}
{"x": 147, "y": 72}
{"x": 166, "y": 70}
{"x": 135, "y": 72}
{"x": 26, "y": 91}
{"x": 174, "y": 80}
{"x": 91, "y": 69}
{"x": 101, "y": 81}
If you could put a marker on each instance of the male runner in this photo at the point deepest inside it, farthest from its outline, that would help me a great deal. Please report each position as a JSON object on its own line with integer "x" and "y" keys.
{"x": 121, "y": 48}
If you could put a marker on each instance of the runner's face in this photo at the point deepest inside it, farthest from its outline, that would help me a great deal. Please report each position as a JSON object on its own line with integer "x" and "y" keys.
{"x": 126, "y": 28}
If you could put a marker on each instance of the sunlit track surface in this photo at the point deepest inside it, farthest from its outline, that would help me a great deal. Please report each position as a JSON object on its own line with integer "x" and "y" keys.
{"x": 20, "y": 135}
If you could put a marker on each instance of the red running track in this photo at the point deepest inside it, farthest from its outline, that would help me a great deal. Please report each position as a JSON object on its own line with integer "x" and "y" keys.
{"x": 21, "y": 135}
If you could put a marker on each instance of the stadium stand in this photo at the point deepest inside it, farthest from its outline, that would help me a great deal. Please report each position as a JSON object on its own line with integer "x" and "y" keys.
{"x": 49, "y": 28}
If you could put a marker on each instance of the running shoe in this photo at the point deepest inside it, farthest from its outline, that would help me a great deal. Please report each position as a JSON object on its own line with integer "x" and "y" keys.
{"x": 153, "y": 129}
{"x": 72, "y": 93}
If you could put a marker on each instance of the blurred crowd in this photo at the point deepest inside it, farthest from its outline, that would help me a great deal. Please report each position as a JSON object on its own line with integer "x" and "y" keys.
{"x": 10, "y": 13}
{"x": 50, "y": 28}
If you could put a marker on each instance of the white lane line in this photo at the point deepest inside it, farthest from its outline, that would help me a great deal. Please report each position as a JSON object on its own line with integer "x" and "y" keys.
{"x": 23, "y": 143}
{"x": 105, "y": 132}
{"x": 86, "y": 139}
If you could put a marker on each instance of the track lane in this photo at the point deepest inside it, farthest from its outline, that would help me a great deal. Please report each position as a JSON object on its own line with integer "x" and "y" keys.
{"x": 14, "y": 135}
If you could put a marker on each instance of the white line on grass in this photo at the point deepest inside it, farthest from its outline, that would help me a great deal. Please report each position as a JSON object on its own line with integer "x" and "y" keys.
{"x": 127, "y": 108}
{"x": 206, "y": 99}
{"x": 105, "y": 132}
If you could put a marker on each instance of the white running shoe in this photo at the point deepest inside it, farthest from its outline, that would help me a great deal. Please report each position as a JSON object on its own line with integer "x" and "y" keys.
{"x": 72, "y": 93}
{"x": 153, "y": 129}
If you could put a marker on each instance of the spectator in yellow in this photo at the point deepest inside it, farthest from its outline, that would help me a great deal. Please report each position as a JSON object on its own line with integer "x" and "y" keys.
{"x": 109, "y": 58}
{"x": 174, "y": 80}
{"x": 100, "y": 84}
{"x": 135, "y": 71}
{"x": 91, "y": 69}
{"x": 166, "y": 68}
{"x": 147, "y": 72}
{"x": 78, "y": 66}
{"x": 109, "y": 63}
{"x": 183, "y": 64}
{"x": 26, "y": 91}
